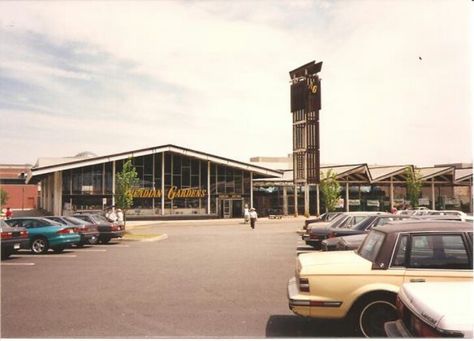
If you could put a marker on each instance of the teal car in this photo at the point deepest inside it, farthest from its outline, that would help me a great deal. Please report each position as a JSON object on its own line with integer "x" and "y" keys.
{"x": 46, "y": 234}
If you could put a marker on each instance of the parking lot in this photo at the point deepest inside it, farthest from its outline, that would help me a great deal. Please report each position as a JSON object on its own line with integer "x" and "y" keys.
{"x": 206, "y": 279}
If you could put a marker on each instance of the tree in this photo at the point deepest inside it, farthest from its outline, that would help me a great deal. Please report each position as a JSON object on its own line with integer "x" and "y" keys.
{"x": 125, "y": 181}
{"x": 330, "y": 190}
{"x": 3, "y": 197}
{"x": 414, "y": 184}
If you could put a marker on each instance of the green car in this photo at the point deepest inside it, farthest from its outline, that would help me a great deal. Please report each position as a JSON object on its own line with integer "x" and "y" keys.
{"x": 46, "y": 234}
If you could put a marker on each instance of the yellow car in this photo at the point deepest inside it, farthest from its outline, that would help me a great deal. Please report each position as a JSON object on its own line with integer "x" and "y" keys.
{"x": 362, "y": 285}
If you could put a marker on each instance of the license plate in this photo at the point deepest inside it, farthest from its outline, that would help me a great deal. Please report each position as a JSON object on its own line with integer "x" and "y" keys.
{"x": 16, "y": 246}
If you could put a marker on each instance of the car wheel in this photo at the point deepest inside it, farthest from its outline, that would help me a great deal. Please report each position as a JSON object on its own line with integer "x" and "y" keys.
{"x": 39, "y": 245}
{"x": 93, "y": 240}
{"x": 105, "y": 240}
{"x": 80, "y": 244}
{"x": 58, "y": 249}
{"x": 372, "y": 313}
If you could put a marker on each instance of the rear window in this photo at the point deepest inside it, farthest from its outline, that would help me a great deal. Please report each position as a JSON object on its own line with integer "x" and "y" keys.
{"x": 438, "y": 251}
{"x": 371, "y": 245}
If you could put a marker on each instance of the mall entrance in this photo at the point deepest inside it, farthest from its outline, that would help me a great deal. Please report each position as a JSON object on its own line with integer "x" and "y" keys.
{"x": 231, "y": 208}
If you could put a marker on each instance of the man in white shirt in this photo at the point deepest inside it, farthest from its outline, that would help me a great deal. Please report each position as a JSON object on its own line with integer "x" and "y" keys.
{"x": 253, "y": 217}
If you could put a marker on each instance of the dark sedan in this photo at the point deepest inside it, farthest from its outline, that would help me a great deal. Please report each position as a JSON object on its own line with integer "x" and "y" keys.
{"x": 13, "y": 238}
{"x": 88, "y": 231}
{"x": 363, "y": 227}
{"x": 317, "y": 233}
{"x": 107, "y": 230}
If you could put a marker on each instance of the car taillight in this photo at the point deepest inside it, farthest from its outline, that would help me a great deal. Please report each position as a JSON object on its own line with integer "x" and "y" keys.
{"x": 67, "y": 230}
{"x": 303, "y": 284}
{"x": 7, "y": 235}
{"x": 23, "y": 233}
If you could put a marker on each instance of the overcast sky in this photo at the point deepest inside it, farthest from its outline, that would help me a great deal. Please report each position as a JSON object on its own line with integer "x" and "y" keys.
{"x": 111, "y": 77}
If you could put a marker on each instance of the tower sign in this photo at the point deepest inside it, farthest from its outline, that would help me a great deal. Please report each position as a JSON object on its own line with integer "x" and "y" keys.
{"x": 305, "y": 106}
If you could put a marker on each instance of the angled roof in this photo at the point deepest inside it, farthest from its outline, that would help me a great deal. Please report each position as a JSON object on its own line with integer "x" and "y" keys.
{"x": 438, "y": 174}
{"x": 384, "y": 173}
{"x": 67, "y": 163}
{"x": 463, "y": 175}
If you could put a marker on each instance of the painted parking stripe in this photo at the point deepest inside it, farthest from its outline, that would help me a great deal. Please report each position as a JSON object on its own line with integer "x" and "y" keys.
{"x": 18, "y": 264}
{"x": 48, "y": 256}
{"x": 88, "y": 250}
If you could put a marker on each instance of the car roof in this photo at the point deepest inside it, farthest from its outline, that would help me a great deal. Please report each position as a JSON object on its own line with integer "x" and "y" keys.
{"x": 424, "y": 225}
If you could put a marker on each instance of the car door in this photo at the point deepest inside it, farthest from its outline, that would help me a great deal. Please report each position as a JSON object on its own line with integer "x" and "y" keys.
{"x": 441, "y": 256}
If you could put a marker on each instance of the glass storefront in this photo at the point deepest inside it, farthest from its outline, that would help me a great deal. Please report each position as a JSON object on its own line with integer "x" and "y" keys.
{"x": 169, "y": 184}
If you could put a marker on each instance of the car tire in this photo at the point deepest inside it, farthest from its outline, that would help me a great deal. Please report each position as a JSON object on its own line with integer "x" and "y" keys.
{"x": 80, "y": 244}
{"x": 93, "y": 240}
{"x": 371, "y": 314}
{"x": 58, "y": 249}
{"x": 39, "y": 245}
{"x": 105, "y": 240}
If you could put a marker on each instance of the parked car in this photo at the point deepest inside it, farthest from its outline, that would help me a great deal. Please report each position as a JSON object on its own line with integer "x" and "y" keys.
{"x": 362, "y": 285}
{"x": 354, "y": 241}
{"x": 323, "y": 219}
{"x": 45, "y": 234}
{"x": 13, "y": 238}
{"x": 88, "y": 231}
{"x": 333, "y": 241}
{"x": 316, "y": 234}
{"x": 107, "y": 230}
{"x": 443, "y": 309}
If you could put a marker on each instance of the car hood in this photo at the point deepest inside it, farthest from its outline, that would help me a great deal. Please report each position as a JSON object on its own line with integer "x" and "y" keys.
{"x": 334, "y": 262}
{"x": 452, "y": 310}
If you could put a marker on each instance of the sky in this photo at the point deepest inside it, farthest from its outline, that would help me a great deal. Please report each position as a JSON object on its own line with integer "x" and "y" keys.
{"x": 110, "y": 77}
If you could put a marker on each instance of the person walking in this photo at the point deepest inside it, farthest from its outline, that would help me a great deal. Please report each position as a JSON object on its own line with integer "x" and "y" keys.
{"x": 246, "y": 214}
{"x": 253, "y": 217}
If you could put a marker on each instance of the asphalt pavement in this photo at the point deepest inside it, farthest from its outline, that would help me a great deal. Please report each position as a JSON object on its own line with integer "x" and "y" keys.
{"x": 207, "y": 279}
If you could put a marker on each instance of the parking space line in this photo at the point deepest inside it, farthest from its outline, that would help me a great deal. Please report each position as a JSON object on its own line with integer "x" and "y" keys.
{"x": 114, "y": 245}
{"x": 48, "y": 256}
{"x": 18, "y": 264}
{"x": 88, "y": 250}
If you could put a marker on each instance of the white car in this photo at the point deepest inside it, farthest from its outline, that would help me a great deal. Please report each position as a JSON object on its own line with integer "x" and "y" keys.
{"x": 434, "y": 309}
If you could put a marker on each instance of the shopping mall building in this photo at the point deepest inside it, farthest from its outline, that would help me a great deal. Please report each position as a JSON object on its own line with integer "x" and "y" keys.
{"x": 173, "y": 182}
{"x": 177, "y": 182}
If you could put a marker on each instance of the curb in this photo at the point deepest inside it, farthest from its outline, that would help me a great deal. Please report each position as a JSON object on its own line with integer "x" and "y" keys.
{"x": 153, "y": 239}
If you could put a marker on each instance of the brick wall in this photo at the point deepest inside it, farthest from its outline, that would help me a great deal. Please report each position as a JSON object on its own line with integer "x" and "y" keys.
{"x": 21, "y": 196}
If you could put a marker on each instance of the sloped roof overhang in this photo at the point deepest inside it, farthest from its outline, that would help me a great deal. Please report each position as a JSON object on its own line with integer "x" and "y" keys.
{"x": 463, "y": 176}
{"x": 36, "y": 173}
{"x": 387, "y": 174}
{"x": 437, "y": 175}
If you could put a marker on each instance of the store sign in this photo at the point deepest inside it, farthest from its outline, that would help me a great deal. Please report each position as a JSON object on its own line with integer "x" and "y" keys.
{"x": 373, "y": 203}
{"x": 173, "y": 193}
{"x": 354, "y": 202}
{"x": 423, "y": 201}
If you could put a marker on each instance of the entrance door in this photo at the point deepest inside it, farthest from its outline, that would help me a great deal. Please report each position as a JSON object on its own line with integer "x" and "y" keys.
{"x": 227, "y": 208}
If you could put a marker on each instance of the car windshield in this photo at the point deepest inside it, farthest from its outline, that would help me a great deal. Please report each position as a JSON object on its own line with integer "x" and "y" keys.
{"x": 76, "y": 221}
{"x": 100, "y": 218}
{"x": 338, "y": 220}
{"x": 371, "y": 245}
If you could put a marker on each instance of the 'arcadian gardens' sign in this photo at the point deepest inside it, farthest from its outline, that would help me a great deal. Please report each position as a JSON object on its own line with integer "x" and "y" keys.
{"x": 172, "y": 193}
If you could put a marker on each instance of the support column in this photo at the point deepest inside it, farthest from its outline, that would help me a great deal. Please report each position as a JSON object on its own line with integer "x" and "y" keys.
{"x": 163, "y": 183}
{"x": 153, "y": 182}
{"x": 433, "y": 199}
{"x": 347, "y": 196}
{"x": 209, "y": 187}
{"x": 251, "y": 189}
{"x": 285, "y": 200}
{"x": 391, "y": 194}
{"x": 57, "y": 193}
{"x": 318, "y": 212}
{"x": 295, "y": 198}
{"x": 113, "y": 183}
{"x": 306, "y": 200}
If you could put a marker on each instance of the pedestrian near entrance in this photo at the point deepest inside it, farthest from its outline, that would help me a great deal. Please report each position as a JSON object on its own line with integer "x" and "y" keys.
{"x": 253, "y": 217}
{"x": 246, "y": 214}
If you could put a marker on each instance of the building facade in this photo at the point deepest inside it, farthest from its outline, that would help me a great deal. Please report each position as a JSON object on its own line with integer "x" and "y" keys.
{"x": 173, "y": 182}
